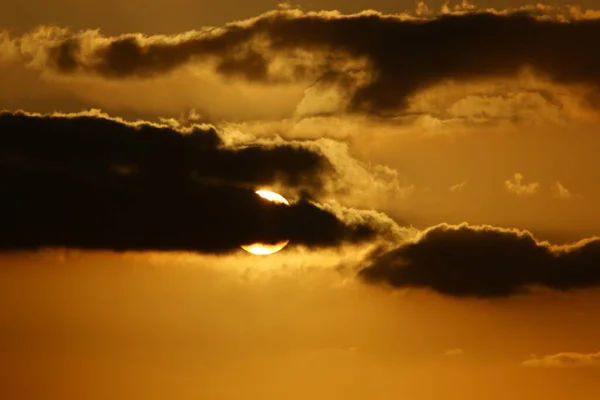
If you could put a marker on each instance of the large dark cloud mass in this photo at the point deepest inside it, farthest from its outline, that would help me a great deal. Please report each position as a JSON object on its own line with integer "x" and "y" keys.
{"x": 94, "y": 182}
{"x": 468, "y": 261}
{"x": 401, "y": 55}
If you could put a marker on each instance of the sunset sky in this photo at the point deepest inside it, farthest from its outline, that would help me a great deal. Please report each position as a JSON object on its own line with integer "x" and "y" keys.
{"x": 441, "y": 166}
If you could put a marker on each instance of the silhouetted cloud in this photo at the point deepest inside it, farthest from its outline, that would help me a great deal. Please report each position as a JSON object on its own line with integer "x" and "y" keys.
{"x": 380, "y": 59}
{"x": 485, "y": 261}
{"x": 89, "y": 181}
{"x": 564, "y": 360}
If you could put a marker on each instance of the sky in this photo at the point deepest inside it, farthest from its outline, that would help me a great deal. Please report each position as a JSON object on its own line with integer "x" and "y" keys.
{"x": 440, "y": 163}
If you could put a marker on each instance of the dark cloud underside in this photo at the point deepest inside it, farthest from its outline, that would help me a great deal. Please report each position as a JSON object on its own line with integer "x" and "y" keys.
{"x": 468, "y": 261}
{"x": 402, "y": 56}
{"x": 92, "y": 182}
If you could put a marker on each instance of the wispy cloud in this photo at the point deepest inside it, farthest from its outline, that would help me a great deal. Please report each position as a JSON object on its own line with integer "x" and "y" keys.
{"x": 560, "y": 191}
{"x": 454, "y": 352}
{"x": 459, "y": 187}
{"x": 564, "y": 360}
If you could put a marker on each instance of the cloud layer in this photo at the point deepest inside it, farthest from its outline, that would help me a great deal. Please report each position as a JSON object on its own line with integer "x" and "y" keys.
{"x": 151, "y": 186}
{"x": 484, "y": 261}
{"x": 379, "y": 60}
{"x": 89, "y": 181}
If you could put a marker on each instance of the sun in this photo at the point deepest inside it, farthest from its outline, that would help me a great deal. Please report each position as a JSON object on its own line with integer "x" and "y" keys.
{"x": 272, "y": 196}
{"x": 264, "y": 249}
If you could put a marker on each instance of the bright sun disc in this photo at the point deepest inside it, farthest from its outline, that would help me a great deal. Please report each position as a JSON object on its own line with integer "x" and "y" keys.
{"x": 265, "y": 248}
{"x": 272, "y": 196}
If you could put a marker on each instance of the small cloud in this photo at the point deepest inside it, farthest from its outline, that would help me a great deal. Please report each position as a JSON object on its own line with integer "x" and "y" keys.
{"x": 454, "y": 352}
{"x": 459, "y": 187}
{"x": 8, "y": 48}
{"x": 564, "y": 360}
{"x": 519, "y": 188}
{"x": 560, "y": 191}
{"x": 421, "y": 9}
{"x": 288, "y": 5}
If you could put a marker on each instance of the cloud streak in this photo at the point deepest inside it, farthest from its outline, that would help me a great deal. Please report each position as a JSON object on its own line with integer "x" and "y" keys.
{"x": 564, "y": 360}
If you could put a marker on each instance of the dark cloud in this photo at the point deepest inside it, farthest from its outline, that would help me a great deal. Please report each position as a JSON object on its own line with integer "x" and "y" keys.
{"x": 469, "y": 261}
{"x": 402, "y": 55}
{"x": 89, "y": 181}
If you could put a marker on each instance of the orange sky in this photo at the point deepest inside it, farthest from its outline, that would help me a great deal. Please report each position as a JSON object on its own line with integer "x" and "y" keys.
{"x": 121, "y": 277}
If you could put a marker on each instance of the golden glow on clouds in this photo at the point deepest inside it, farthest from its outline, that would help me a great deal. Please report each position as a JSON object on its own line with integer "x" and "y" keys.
{"x": 192, "y": 321}
{"x": 264, "y": 249}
